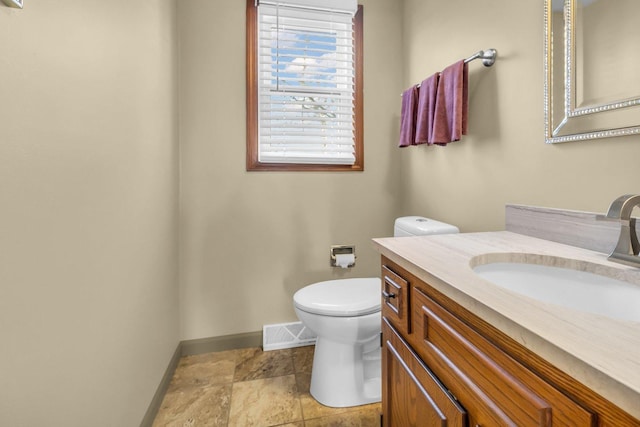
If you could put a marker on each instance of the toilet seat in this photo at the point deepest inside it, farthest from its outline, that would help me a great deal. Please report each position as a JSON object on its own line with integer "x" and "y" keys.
{"x": 340, "y": 298}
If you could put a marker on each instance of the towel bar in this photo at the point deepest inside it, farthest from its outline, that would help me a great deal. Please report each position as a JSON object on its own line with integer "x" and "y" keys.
{"x": 488, "y": 58}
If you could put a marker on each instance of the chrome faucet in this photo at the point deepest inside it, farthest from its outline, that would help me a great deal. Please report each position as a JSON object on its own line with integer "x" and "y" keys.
{"x": 627, "y": 249}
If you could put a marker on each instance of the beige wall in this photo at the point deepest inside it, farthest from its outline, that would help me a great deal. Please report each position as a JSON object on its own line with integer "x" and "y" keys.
{"x": 503, "y": 159}
{"x": 249, "y": 240}
{"x": 88, "y": 210}
{"x": 89, "y": 194}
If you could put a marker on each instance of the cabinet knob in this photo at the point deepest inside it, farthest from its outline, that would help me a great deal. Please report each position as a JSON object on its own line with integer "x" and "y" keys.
{"x": 388, "y": 295}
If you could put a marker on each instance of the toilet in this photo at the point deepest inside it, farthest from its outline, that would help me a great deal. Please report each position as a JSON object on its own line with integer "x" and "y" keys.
{"x": 345, "y": 316}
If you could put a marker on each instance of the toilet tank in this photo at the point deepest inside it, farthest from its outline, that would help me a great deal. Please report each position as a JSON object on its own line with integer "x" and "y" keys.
{"x": 421, "y": 226}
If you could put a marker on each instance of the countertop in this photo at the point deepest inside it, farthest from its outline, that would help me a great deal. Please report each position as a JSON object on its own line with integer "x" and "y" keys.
{"x": 600, "y": 352}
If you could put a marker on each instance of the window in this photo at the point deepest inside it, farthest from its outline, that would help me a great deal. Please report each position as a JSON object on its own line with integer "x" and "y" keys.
{"x": 304, "y": 85}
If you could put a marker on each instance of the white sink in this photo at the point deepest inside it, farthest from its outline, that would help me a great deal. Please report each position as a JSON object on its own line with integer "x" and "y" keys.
{"x": 567, "y": 287}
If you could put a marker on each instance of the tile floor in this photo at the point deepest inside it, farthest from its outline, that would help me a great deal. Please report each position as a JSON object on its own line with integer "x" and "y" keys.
{"x": 249, "y": 387}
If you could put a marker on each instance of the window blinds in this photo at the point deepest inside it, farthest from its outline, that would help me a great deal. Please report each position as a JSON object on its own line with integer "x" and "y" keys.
{"x": 305, "y": 85}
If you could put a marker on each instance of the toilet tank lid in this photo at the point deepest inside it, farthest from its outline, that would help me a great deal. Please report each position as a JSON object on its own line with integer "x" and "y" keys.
{"x": 421, "y": 226}
{"x": 340, "y": 298}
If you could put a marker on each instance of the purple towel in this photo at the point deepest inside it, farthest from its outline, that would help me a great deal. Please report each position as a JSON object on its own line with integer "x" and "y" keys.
{"x": 450, "y": 119}
{"x": 408, "y": 117}
{"x": 426, "y": 110}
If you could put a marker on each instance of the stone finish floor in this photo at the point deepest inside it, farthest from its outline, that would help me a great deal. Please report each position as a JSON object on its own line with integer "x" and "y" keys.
{"x": 249, "y": 387}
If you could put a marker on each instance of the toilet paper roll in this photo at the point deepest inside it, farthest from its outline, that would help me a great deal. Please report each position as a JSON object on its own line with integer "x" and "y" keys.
{"x": 345, "y": 260}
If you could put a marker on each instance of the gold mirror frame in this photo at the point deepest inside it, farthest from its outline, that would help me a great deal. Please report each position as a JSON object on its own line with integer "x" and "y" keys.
{"x": 577, "y": 123}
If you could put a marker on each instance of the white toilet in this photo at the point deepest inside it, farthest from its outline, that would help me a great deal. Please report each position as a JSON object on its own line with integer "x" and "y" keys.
{"x": 345, "y": 316}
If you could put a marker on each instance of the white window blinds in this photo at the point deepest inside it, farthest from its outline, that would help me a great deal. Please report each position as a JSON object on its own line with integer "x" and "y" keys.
{"x": 305, "y": 84}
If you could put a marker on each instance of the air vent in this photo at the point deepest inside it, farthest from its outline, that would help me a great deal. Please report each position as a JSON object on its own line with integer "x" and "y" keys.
{"x": 286, "y": 335}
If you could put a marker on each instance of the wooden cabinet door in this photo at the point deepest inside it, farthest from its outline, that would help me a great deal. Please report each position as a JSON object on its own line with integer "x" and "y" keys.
{"x": 411, "y": 395}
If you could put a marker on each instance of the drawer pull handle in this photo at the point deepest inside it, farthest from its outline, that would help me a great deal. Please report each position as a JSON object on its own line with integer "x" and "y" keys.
{"x": 388, "y": 295}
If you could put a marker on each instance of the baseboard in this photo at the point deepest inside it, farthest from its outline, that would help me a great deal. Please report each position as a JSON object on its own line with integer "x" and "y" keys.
{"x": 193, "y": 347}
{"x": 154, "y": 406}
{"x": 227, "y": 342}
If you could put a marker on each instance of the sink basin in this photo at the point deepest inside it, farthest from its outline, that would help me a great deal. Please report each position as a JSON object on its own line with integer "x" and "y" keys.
{"x": 567, "y": 287}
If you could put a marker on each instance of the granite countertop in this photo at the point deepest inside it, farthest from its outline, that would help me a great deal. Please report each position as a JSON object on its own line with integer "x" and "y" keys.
{"x": 601, "y": 352}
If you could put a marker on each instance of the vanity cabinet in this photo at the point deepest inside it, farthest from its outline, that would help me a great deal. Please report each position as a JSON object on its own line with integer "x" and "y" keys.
{"x": 444, "y": 366}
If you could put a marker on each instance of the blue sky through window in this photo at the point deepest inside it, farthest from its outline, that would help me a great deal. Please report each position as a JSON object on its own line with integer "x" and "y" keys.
{"x": 304, "y": 58}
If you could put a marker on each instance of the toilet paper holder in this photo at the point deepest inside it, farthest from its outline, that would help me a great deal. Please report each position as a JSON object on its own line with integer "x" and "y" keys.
{"x": 343, "y": 256}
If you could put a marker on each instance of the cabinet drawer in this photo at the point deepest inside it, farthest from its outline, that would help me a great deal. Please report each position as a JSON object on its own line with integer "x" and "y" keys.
{"x": 395, "y": 299}
{"x": 494, "y": 388}
{"x": 411, "y": 394}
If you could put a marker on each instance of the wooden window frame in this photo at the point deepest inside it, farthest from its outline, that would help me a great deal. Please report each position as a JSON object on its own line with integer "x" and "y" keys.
{"x": 253, "y": 164}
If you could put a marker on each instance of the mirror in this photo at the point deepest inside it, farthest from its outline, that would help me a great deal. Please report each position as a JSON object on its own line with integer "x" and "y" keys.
{"x": 591, "y": 67}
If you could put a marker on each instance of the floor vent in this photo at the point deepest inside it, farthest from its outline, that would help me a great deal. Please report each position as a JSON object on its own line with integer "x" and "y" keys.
{"x": 286, "y": 335}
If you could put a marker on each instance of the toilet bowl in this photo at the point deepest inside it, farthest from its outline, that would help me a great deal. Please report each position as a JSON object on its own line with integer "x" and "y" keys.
{"x": 345, "y": 316}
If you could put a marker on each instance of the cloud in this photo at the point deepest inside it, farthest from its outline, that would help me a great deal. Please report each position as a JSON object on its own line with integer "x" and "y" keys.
{"x": 324, "y": 62}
